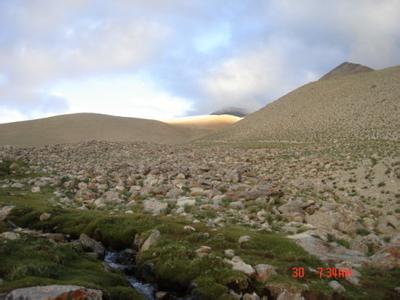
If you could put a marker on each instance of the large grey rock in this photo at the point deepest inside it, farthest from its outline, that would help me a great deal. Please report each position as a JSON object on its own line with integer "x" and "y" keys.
{"x": 326, "y": 251}
{"x": 92, "y": 245}
{"x": 49, "y": 292}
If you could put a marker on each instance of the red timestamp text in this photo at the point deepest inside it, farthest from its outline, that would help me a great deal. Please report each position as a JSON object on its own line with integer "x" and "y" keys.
{"x": 330, "y": 272}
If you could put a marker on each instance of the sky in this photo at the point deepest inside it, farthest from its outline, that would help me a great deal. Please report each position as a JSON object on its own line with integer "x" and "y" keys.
{"x": 163, "y": 59}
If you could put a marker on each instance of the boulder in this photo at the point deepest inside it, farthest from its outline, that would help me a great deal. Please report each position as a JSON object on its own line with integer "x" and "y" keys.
{"x": 337, "y": 287}
{"x": 17, "y": 185}
{"x": 154, "y": 206}
{"x": 327, "y": 252}
{"x": 189, "y": 228}
{"x": 185, "y": 201}
{"x": 239, "y": 265}
{"x": 388, "y": 224}
{"x": 203, "y": 251}
{"x": 264, "y": 272}
{"x": 152, "y": 240}
{"x": 5, "y": 211}
{"x": 35, "y": 189}
{"x": 71, "y": 292}
{"x": 387, "y": 257}
{"x": 9, "y": 235}
{"x": 44, "y": 216}
{"x": 244, "y": 239}
{"x": 229, "y": 253}
{"x": 92, "y": 245}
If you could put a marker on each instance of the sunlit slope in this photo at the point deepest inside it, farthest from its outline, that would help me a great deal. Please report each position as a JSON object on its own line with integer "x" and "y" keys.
{"x": 359, "y": 106}
{"x": 205, "y": 121}
{"x": 82, "y": 127}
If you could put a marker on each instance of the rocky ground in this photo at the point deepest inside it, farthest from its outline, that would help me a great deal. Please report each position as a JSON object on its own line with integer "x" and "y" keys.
{"x": 340, "y": 202}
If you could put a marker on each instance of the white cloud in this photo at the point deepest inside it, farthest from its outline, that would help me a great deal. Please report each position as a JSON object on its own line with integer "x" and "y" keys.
{"x": 8, "y": 115}
{"x": 251, "y": 78}
{"x": 367, "y": 30}
{"x": 122, "y": 96}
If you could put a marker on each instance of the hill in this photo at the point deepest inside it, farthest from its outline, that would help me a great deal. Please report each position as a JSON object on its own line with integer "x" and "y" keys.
{"x": 209, "y": 122}
{"x": 234, "y": 111}
{"x": 84, "y": 126}
{"x": 346, "y": 68}
{"x": 360, "y": 106}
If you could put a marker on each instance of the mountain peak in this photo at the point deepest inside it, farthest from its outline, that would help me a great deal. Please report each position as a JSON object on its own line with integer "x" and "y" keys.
{"x": 346, "y": 68}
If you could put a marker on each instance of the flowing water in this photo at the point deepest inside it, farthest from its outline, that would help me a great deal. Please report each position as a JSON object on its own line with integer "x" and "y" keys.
{"x": 145, "y": 289}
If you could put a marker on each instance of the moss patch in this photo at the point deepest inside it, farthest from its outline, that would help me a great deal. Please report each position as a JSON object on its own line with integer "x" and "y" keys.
{"x": 35, "y": 261}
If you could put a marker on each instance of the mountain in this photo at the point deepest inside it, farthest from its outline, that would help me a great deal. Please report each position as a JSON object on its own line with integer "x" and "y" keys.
{"x": 346, "y": 68}
{"x": 209, "y": 122}
{"x": 234, "y": 111}
{"x": 364, "y": 105}
{"x": 85, "y": 126}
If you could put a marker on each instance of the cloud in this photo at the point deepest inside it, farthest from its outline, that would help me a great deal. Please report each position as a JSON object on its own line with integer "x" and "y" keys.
{"x": 197, "y": 55}
{"x": 252, "y": 78}
{"x": 49, "y": 49}
{"x": 122, "y": 95}
{"x": 366, "y": 31}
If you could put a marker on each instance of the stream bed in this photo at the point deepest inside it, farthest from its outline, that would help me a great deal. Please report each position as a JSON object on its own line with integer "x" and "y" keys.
{"x": 117, "y": 261}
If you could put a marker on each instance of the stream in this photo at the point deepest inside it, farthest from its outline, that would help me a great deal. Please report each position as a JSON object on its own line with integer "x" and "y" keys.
{"x": 117, "y": 260}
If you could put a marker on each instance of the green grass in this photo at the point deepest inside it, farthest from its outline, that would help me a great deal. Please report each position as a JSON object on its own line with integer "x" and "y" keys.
{"x": 174, "y": 258}
{"x": 15, "y": 169}
{"x": 36, "y": 261}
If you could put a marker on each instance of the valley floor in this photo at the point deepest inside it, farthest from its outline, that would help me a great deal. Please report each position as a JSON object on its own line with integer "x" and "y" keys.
{"x": 227, "y": 221}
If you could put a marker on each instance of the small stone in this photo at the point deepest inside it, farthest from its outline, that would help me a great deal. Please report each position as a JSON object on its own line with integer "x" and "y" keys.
{"x": 189, "y": 228}
{"x": 17, "y": 185}
{"x": 239, "y": 265}
{"x": 9, "y": 235}
{"x": 203, "y": 251}
{"x": 253, "y": 296}
{"x": 337, "y": 287}
{"x": 161, "y": 295}
{"x": 5, "y": 211}
{"x": 229, "y": 253}
{"x": 185, "y": 201}
{"x": 154, "y": 206}
{"x": 44, "y": 216}
{"x": 264, "y": 272}
{"x": 82, "y": 185}
{"x": 93, "y": 245}
{"x": 244, "y": 239}
{"x": 35, "y": 189}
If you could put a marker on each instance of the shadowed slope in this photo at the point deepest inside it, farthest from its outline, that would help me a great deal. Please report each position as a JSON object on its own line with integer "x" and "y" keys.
{"x": 82, "y": 127}
{"x": 361, "y": 106}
